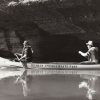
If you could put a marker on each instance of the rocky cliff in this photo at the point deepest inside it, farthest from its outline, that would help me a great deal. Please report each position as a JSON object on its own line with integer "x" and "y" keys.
{"x": 56, "y": 29}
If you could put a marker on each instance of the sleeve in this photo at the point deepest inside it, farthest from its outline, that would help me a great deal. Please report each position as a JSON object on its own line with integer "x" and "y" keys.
{"x": 90, "y": 51}
{"x": 32, "y": 50}
{"x": 25, "y": 52}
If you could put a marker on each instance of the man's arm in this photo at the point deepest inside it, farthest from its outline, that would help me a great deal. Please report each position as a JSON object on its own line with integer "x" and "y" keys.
{"x": 31, "y": 49}
{"x": 24, "y": 56}
{"x": 83, "y": 54}
{"x": 17, "y": 56}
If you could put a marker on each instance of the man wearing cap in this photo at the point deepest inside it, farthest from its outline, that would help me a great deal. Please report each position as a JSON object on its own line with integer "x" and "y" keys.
{"x": 91, "y": 54}
{"x": 26, "y": 55}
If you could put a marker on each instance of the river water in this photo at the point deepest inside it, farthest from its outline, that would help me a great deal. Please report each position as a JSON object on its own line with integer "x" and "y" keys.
{"x": 43, "y": 84}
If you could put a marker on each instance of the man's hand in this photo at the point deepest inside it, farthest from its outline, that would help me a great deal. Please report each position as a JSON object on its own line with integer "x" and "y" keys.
{"x": 80, "y": 52}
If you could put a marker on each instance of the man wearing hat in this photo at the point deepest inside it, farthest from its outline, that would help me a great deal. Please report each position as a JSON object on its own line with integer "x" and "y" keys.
{"x": 26, "y": 55}
{"x": 91, "y": 54}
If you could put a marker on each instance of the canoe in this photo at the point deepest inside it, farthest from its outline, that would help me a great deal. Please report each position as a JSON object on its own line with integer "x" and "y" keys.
{"x": 52, "y": 65}
{"x": 70, "y": 66}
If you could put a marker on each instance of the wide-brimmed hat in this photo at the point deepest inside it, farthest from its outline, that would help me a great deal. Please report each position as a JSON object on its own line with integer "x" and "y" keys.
{"x": 89, "y": 43}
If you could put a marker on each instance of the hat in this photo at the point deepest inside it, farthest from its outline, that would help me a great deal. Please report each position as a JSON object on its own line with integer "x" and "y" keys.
{"x": 90, "y": 43}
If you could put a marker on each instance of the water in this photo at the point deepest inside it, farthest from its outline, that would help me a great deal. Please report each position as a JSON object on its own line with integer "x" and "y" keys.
{"x": 39, "y": 84}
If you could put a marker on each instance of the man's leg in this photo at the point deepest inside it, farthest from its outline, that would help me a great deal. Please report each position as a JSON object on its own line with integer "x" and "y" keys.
{"x": 87, "y": 62}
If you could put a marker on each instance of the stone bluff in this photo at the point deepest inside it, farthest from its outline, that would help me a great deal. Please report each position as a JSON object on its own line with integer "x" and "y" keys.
{"x": 56, "y": 29}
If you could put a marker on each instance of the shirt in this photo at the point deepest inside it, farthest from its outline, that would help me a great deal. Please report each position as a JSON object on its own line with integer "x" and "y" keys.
{"x": 92, "y": 54}
{"x": 28, "y": 52}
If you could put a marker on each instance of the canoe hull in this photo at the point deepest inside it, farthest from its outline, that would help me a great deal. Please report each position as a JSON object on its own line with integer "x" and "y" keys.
{"x": 66, "y": 66}
{"x": 53, "y": 65}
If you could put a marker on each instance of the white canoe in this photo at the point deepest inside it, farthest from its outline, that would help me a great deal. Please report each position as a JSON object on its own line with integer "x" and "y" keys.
{"x": 51, "y": 65}
{"x": 65, "y": 66}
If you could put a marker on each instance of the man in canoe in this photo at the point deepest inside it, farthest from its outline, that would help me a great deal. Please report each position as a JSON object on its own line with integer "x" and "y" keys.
{"x": 91, "y": 54}
{"x": 26, "y": 55}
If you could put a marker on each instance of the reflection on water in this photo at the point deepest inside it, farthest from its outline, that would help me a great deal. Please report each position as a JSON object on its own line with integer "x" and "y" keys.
{"x": 89, "y": 85}
{"x": 23, "y": 80}
{"x": 41, "y": 84}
